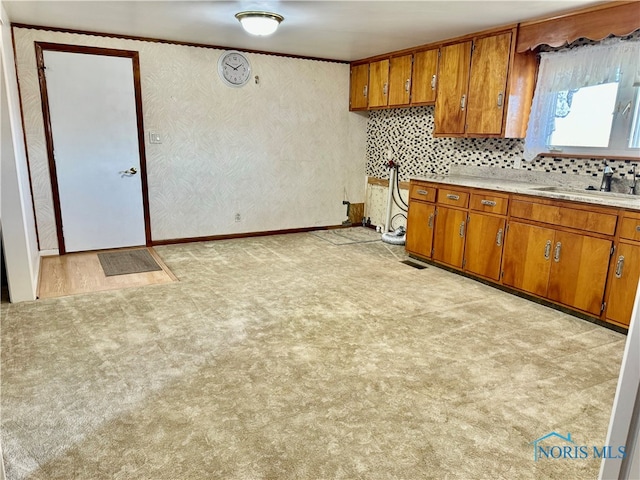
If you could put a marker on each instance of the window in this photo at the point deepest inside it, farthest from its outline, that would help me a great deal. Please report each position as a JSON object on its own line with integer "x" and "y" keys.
{"x": 587, "y": 102}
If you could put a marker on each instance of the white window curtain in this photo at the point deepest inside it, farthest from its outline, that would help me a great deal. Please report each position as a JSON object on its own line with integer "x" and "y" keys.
{"x": 570, "y": 70}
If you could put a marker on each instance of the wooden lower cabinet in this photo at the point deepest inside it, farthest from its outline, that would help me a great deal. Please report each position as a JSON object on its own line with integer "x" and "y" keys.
{"x": 420, "y": 221}
{"x": 579, "y": 269}
{"x": 448, "y": 241}
{"x": 623, "y": 283}
{"x": 483, "y": 250}
{"x": 527, "y": 255}
{"x": 567, "y": 268}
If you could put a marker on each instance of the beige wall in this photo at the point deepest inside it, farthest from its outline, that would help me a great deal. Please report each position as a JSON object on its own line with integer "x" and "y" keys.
{"x": 283, "y": 153}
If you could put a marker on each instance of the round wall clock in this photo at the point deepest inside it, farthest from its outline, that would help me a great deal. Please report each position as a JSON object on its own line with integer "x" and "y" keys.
{"x": 234, "y": 68}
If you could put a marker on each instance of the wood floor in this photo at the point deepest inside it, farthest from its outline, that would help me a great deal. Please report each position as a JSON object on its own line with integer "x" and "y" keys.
{"x": 82, "y": 273}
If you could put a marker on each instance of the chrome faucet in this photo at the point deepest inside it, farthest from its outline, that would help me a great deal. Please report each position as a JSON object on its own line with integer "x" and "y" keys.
{"x": 634, "y": 179}
{"x": 605, "y": 186}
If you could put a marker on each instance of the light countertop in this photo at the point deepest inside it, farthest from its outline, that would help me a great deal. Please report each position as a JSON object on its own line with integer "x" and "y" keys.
{"x": 529, "y": 183}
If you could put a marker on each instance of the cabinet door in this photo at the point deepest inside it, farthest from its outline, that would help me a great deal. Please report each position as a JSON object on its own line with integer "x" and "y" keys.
{"x": 420, "y": 228}
{"x": 400, "y": 80}
{"x": 378, "y": 83}
{"x": 483, "y": 250}
{"x": 453, "y": 81}
{"x": 579, "y": 271}
{"x": 487, "y": 84}
{"x": 448, "y": 241}
{"x": 358, "y": 98}
{"x": 425, "y": 77}
{"x": 527, "y": 257}
{"x": 624, "y": 283}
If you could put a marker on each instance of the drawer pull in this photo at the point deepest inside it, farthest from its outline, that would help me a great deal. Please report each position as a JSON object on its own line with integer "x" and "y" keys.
{"x": 433, "y": 82}
{"x": 421, "y": 192}
{"x": 499, "y": 238}
{"x": 407, "y": 85}
{"x": 451, "y": 196}
{"x": 365, "y": 90}
{"x": 488, "y": 203}
{"x": 556, "y": 254}
{"x": 619, "y": 266}
{"x": 430, "y": 221}
{"x": 463, "y": 102}
{"x": 462, "y": 229}
{"x": 547, "y": 249}
{"x": 637, "y": 228}
{"x": 384, "y": 89}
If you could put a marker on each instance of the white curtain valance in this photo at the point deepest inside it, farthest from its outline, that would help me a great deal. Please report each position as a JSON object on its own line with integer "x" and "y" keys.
{"x": 588, "y": 65}
{"x": 612, "y": 60}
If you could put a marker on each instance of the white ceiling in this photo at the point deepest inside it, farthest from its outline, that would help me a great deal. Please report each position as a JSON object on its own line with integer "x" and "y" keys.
{"x": 341, "y": 30}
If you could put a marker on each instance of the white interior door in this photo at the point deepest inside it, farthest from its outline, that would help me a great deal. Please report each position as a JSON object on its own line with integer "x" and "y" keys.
{"x": 95, "y": 139}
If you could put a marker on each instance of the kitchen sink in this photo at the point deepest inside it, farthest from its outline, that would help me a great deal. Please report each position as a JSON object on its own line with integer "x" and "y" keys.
{"x": 590, "y": 193}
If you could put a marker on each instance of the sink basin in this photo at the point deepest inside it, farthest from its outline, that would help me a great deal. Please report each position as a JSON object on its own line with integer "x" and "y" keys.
{"x": 590, "y": 193}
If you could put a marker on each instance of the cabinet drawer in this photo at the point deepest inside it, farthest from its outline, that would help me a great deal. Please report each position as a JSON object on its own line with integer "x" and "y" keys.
{"x": 422, "y": 192}
{"x": 489, "y": 203}
{"x": 453, "y": 197}
{"x": 596, "y": 222}
{"x": 630, "y": 228}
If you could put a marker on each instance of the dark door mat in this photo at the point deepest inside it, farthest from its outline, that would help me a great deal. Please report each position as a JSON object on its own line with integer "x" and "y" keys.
{"x": 413, "y": 264}
{"x": 127, "y": 261}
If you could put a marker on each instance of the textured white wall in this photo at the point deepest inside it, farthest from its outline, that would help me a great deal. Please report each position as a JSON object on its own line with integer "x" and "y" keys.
{"x": 283, "y": 153}
{"x": 18, "y": 225}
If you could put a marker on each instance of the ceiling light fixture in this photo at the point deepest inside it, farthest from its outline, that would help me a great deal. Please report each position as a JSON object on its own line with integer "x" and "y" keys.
{"x": 259, "y": 23}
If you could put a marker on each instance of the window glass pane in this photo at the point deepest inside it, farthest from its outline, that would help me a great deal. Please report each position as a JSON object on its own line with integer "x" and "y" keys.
{"x": 584, "y": 116}
{"x": 634, "y": 138}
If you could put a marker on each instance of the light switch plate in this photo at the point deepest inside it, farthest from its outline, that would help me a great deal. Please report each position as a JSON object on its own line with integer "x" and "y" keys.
{"x": 154, "y": 137}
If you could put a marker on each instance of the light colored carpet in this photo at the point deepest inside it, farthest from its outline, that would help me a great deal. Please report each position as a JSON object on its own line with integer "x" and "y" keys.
{"x": 287, "y": 357}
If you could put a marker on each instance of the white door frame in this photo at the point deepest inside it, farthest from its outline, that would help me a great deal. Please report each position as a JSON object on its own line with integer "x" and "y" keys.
{"x": 134, "y": 56}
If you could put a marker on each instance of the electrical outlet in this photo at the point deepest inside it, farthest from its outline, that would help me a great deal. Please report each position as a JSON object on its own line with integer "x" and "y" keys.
{"x": 154, "y": 137}
{"x": 237, "y": 217}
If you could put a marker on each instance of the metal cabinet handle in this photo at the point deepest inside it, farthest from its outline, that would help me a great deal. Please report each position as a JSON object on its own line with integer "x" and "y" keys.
{"x": 489, "y": 203}
{"x": 500, "y": 99}
{"x": 499, "y": 238}
{"x": 365, "y": 90}
{"x": 384, "y": 89}
{"x": 433, "y": 82}
{"x": 462, "y": 229}
{"x": 619, "y": 266}
{"x": 547, "y": 249}
{"x": 556, "y": 253}
{"x": 451, "y": 196}
{"x": 129, "y": 172}
{"x": 463, "y": 102}
{"x": 430, "y": 221}
{"x": 407, "y": 85}
{"x": 421, "y": 192}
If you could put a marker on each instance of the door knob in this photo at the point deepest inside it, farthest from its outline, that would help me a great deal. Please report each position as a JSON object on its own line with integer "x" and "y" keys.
{"x": 131, "y": 171}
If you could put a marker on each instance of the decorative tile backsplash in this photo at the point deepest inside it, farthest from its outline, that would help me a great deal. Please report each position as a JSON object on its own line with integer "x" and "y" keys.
{"x": 407, "y": 135}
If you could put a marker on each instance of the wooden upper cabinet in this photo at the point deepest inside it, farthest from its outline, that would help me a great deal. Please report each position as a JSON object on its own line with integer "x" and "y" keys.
{"x": 487, "y": 84}
{"x": 484, "y": 88}
{"x": 378, "y": 83}
{"x": 400, "y": 80}
{"x": 359, "y": 85}
{"x": 425, "y": 77}
{"x": 453, "y": 82}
